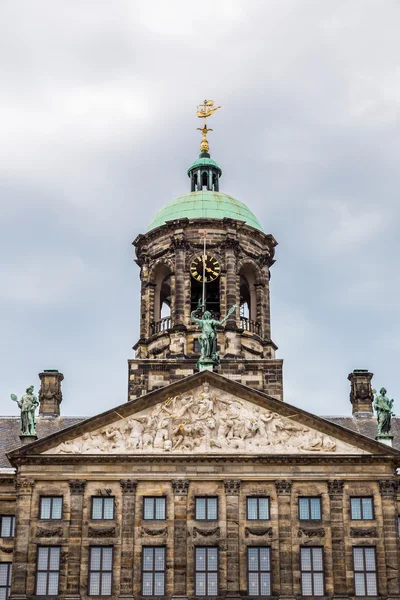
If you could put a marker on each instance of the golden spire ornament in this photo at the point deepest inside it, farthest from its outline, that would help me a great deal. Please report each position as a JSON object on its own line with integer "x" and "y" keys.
{"x": 203, "y": 111}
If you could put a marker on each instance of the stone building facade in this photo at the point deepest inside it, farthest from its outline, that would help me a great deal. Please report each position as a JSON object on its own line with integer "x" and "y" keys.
{"x": 202, "y": 484}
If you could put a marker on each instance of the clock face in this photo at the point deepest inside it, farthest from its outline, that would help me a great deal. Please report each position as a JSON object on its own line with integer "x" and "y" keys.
{"x": 212, "y": 268}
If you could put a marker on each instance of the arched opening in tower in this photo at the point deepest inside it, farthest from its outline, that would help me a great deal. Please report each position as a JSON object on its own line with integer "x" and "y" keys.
{"x": 162, "y": 293}
{"x": 204, "y": 180}
{"x": 212, "y": 296}
{"x": 244, "y": 298}
{"x": 248, "y": 300}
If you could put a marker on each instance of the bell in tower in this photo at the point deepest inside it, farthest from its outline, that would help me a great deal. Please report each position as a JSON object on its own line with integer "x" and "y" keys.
{"x": 205, "y": 252}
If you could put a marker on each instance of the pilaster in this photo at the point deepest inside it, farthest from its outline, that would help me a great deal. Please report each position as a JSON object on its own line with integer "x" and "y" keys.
{"x": 232, "y": 492}
{"x": 284, "y": 492}
{"x": 24, "y": 488}
{"x": 128, "y": 487}
{"x": 388, "y": 489}
{"x": 335, "y": 491}
{"x": 180, "y": 489}
{"x": 77, "y": 490}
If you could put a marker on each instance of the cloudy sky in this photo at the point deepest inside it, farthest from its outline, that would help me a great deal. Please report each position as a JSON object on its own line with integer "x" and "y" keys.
{"x": 98, "y": 126}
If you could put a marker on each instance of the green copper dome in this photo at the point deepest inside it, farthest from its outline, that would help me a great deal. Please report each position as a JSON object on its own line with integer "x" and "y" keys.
{"x": 205, "y": 204}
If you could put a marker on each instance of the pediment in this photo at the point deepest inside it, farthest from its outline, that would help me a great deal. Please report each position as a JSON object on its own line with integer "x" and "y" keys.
{"x": 206, "y": 414}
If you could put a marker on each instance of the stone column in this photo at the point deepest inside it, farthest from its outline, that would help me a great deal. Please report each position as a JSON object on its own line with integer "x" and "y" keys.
{"x": 127, "y": 537}
{"x": 335, "y": 490}
{"x": 284, "y": 491}
{"x": 24, "y": 487}
{"x": 388, "y": 489}
{"x": 231, "y": 299}
{"x": 77, "y": 490}
{"x": 232, "y": 491}
{"x": 178, "y": 316}
{"x": 180, "y": 488}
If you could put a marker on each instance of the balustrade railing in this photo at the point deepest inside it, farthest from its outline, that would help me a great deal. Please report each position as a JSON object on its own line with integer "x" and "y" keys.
{"x": 249, "y": 325}
{"x": 161, "y": 325}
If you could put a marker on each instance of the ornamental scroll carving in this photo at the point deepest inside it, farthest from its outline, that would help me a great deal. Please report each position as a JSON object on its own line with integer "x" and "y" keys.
{"x": 360, "y": 532}
{"x": 207, "y": 532}
{"x": 259, "y": 531}
{"x": 55, "y": 532}
{"x": 128, "y": 486}
{"x": 7, "y": 549}
{"x": 77, "y": 486}
{"x": 180, "y": 487}
{"x": 24, "y": 485}
{"x": 335, "y": 487}
{"x": 283, "y": 486}
{"x": 232, "y": 487}
{"x": 311, "y": 533}
{"x": 204, "y": 420}
{"x": 102, "y": 532}
{"x": 154, "y": 532}
{"x": 388, "y": 487}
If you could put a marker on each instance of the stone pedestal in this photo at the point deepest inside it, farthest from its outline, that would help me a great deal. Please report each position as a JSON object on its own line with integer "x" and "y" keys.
{"x": 206, "y": 365}
{"x": 385, "y": 438}
{"x": 27, "y": 439}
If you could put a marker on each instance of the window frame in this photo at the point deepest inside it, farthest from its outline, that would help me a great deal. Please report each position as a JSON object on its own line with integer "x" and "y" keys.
{"x": 154, "y": 508}
{"x": 12, "y": 535}
{"x": 206, "y": 571}
{"x": 312, "y": 571}
{"x": 101, "y": 571}
{"x": 102, "y": 518}
{"x": 259, "y": 572}
{"x": 51, "y": 508}
{"x": 308, "y": 498}
{"x": 7, "y": 585}
{"x": 205, "y": 498}
{"x": 360, "y": 498}
{"x": 47, "y": 570}
{"x": 258, "y": 498}
{"x": 364, "y": 572}
{"x": 154, "y": 571}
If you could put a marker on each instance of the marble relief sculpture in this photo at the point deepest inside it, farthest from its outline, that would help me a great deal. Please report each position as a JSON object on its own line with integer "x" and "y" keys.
{"x": 203, "y": 421}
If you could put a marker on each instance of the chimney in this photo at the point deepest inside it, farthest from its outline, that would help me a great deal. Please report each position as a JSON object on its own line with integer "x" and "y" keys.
{"x": 50, "y": 395}
{"x": 361, "y": 396}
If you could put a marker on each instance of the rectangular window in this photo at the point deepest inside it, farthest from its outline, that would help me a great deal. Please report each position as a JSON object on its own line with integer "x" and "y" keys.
{"x": 310, "y": 508}
{"x": 207, "y": 508}
{"x": 257, "y": 508}
{"x": 362, "y": 508}
{"x": 47, "y": 570}
{"x": 5, "y": 580}
{"x": 7, "y": 527}
{"x": 153, "y": 571}
{"x": 312, "y": 571}
{"x": 51, "y": 507}
{"x": 102, "y": 508}
{"x": 100, "y": 570}
{"x": 365, "y": 571}
{"x": 259, "y": 571}
{"x": 154, "y": 508}
{"x": 206, "y": 571}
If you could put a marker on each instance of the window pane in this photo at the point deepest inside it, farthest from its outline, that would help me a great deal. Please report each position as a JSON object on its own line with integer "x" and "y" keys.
{"x": 159, "y": 584}
{"x": 304, "y": 509}
{"x": 252, "y": 508}
{"x": 369, "y": 555}
{"x": 200, "y": 559}
{"x": 359, "y": 584}
{"x": 265, "y": 583}
{"x": 108, "y": 508}
{"x": 263, "y": 507}
{"x": 253, "y": 584}
{"x": 94, "y": 586}
{"x": 159, "y": 559}
{"x": 53, "y": 584}
{"x": 97, "y": 508}
{"x": 148, "y": 508}
{"x": 318, "y": 584}
{"x": 315, "y": 508}
{"x": 42, "y": 558}
{"x": 367, "y": 508}
{"x": 147, "y": 584}
{"x": 41, "y": 581}
{"x": 148, "y": 563}
{"x": 264, "y": 559}
{"x": 355, "y": 508}
{"x": 95, "y": 554}
{"x": 160, "y": 508}
{"x": 3, "y": 593}
{"x": 253, "y": 559}
{"x": 106, "y": 581}
{"x": 317, "y": 559}
{"x": 4, "y": 573}
{"x": 306, "y": 584}
{"x": 200, "y": 508}
{"x": 212, "y": 508}
{"x": 54, "y": 562}
{"x": 57, "y": 508}
{"x": 212, "y": 563}
{"x": 371, "y": 584}
{"x": 107, "y": 559}
{"x": 6, "y": 527}
{"x": 201, "y": 584}
{"x": 358, "y": 554}
{"x": 212, "y": 584}
{"x": 45, "y": 504}
{"x": 305, "y": 559}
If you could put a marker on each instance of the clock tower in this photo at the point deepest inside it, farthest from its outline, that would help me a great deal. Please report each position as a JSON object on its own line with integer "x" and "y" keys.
{"x": 205, "y": 251}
